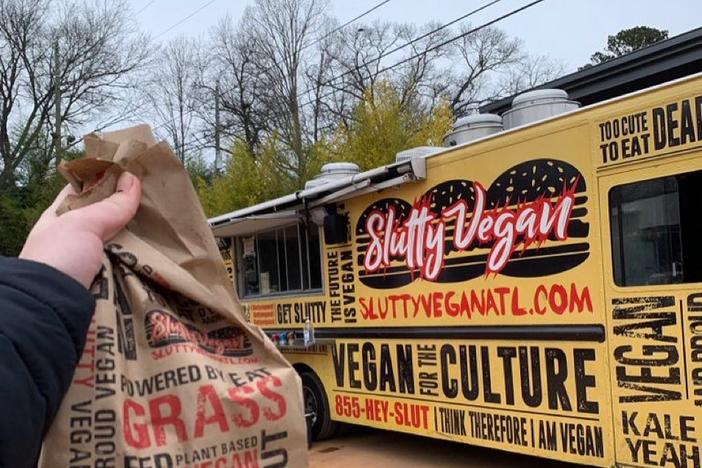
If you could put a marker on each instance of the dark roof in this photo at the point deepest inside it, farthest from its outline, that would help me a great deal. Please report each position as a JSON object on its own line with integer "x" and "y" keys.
{"x": 663, "y": 61}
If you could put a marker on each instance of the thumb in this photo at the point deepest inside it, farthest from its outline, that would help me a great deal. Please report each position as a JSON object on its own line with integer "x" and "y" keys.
{"x": 107, "y": 217}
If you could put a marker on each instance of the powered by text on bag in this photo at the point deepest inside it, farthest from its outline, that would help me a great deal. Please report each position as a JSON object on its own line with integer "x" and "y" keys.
{"x": 172, "y": 375}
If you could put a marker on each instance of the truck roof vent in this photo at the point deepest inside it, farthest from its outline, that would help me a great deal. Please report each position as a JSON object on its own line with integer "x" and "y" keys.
{"x": 332, "y": 171}
{"x": 416, "y": 152}
{"x": 537, "y": 105}
{"x": 472, "y": 127}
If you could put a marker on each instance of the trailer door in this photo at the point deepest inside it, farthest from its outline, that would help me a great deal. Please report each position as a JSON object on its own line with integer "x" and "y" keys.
{"x": 652, "y": 260}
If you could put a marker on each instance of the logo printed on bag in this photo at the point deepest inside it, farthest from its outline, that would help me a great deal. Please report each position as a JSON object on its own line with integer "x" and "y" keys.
{"x": 226, "y": 400}
{"x": 163, "y": 329}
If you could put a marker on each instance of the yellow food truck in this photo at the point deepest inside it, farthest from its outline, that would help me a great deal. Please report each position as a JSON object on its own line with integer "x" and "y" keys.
{"x": 537, "y": 289}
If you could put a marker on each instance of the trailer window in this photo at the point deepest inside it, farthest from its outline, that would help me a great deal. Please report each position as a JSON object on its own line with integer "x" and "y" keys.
{"x": 279, "y": 261}
{"x": 653, "y": 226}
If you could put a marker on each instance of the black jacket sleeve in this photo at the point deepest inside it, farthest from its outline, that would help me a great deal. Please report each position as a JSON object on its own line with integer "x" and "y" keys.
{"x": 44, "y": 319}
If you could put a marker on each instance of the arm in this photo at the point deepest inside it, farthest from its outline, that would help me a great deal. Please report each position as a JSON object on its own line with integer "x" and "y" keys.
{"x": 45, "y": 310}
{"x": 44, "y": 317}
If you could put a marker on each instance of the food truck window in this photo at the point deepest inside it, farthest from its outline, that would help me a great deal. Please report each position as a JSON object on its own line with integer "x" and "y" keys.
{"x": 315, "y": 259}
{"x": 653, "y": 225}
{"x": 292, "y": 258}
{"x": 280, "y": 260}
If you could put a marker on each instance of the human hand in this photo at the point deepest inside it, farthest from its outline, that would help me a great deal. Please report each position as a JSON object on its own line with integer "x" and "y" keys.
{"x": 73, "y": 242}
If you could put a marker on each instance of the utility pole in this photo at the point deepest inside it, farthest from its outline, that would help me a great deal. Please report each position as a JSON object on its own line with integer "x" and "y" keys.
{"x": 57, "y": 104}
{"x": 218, "y": 154}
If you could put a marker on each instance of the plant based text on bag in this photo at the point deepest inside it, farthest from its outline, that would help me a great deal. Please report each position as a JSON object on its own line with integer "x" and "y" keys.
{"x": 171, "y": 375}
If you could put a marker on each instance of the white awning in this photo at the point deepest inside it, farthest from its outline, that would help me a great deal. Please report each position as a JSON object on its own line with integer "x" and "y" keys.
{"x": 281, "y": 211}
{"x": 256, "y": 223}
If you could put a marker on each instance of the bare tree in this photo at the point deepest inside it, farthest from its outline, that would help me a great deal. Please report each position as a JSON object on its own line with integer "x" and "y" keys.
{"x": 237, "y": 77}
{"x": 173, "y": 92}
{"x": 530, "y": 72}
{"x": 321, "y": 117}
{"x": 361, "y": 57}
{"x": 97, "y": 50}
{"x": 479, "y": 59}
{"x": 281, "y": 32}
{"x": 329, "y": 103}
{"x": 417, "y": 79}
{"x": 358, "y": 56}
{"x": 288, "y": 76}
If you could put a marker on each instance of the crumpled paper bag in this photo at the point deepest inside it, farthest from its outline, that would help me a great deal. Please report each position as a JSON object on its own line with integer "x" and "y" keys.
{"x": 172, "y": 375}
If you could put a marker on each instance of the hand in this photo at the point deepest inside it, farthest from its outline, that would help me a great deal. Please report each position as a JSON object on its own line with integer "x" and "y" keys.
{"x": 73, "y": 242}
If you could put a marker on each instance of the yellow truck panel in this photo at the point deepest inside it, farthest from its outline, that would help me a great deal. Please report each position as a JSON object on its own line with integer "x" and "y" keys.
{"x": 537, "y": 292}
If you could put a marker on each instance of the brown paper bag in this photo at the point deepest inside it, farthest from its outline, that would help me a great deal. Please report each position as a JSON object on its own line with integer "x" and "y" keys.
{"x": 172, "y": 375}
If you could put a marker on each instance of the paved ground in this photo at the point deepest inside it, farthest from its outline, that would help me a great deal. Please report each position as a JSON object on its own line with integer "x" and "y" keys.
{"x": 369, "y": 448}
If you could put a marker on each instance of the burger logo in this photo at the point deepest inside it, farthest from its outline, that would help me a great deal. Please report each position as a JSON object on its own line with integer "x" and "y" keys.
{"x": 163, "y": 329}
{"x": 489, "y": 231}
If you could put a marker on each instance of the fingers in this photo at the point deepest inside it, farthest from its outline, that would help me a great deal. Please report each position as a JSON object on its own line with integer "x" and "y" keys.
{"x": 107, "y": 217}
{"x": 51, "y": 210}
{"x": 125, "y": 182}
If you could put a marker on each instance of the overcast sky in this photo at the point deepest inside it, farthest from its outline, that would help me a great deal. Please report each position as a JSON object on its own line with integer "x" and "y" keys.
{"x": 567, "y": 30}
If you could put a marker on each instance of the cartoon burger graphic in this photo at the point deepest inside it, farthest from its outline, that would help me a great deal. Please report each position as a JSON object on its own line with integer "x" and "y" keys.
{"x": 527, "y": 223}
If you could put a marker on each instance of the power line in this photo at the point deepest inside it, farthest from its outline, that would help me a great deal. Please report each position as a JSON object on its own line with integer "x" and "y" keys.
{"x": 428, "y": 50}
{"x": 316, "y": 41}
{"x": 400, "y": 47}
{"x": 164, "y": 32}
{"x": 464, "y": 34}
{"x": 145, "y": 7}
{"x": 184, "y": 19}
{"x": 352, "y": 20}
{"x": 442, "y": 44}
{"x": 407, "y": 44}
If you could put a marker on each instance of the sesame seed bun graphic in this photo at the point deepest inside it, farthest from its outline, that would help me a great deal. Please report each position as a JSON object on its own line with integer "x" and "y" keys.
{"x": 535, "y": 184}
{"x": 401, "y": 207}
{"x": 447, "y": 193}
{"x": 402, "y": 211}
{"x": 550, "y": 179}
